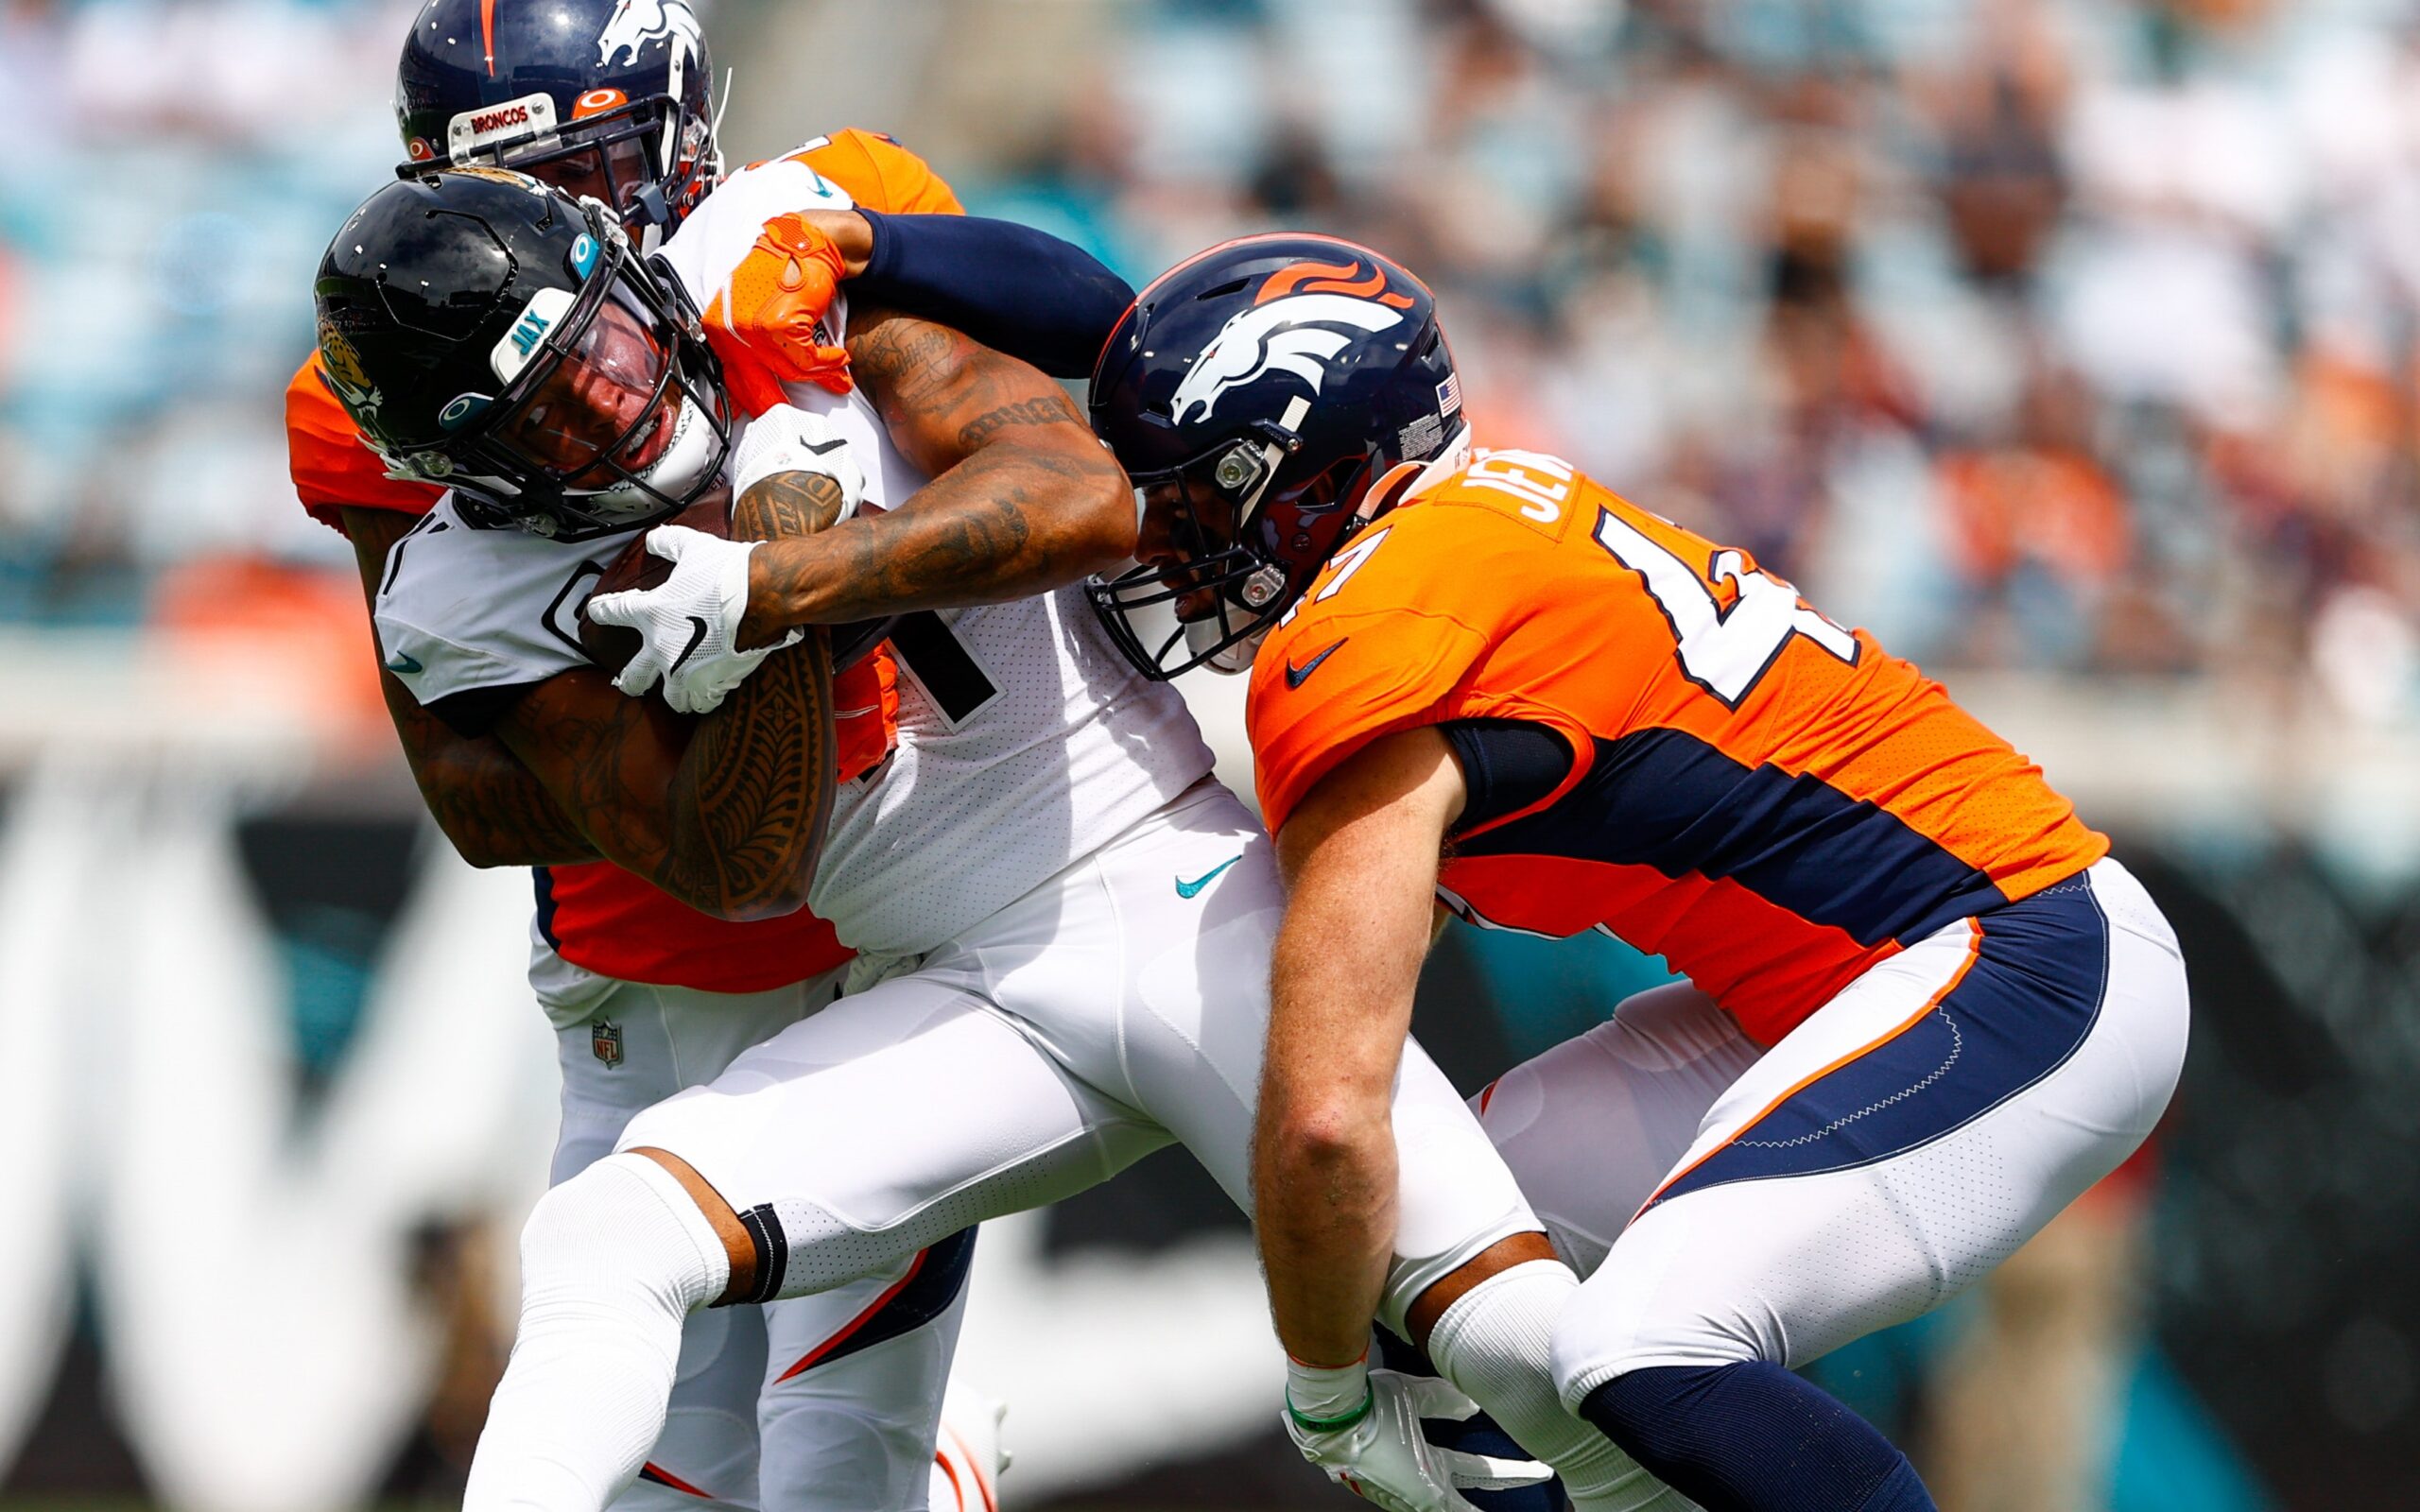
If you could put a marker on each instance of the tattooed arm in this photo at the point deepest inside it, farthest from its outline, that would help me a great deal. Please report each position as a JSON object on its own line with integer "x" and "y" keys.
{"x": 1022, "y": 497}
{"x": 725, "y": 813}
{"x": 492, "y": 807}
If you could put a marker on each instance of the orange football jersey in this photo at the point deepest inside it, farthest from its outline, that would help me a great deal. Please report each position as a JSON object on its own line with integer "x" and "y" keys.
{"x": 1770, "y": 801}
{"x": 596, "y": 915}
{"x": 880, "y": 174}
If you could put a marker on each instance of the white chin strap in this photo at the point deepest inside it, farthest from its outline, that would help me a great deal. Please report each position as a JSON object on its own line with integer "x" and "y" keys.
{"x": 681, "y": 468}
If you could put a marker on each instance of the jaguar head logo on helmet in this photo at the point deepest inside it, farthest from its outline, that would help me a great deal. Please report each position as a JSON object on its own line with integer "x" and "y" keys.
{"x": 1258, "y": 395}
{"x": 608, "y": 100}
{"x": 342, "y": 364}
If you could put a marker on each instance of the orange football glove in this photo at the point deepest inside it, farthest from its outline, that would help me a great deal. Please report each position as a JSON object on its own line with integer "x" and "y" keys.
{"x": 767, "y": 324}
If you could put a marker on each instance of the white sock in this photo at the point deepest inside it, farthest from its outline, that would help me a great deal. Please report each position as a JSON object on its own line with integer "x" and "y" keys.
{"x": 612, "y": 1262}
{"x": 1493, "y": 1343}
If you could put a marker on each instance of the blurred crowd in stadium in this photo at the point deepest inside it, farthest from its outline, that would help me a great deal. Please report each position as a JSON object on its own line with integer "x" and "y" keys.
{"x": 2031, "y": 334}
{"x": 2044, "y": 335}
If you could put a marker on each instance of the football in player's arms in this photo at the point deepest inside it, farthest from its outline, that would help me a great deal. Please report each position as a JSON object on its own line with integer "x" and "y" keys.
{"x": 611, "y": 647}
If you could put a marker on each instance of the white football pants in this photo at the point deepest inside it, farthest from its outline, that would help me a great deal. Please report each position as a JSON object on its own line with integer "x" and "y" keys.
{"x": 1120, "y": 1005}
{"x": 1888, "y": 1152}
{"x": 817, "y": 1404}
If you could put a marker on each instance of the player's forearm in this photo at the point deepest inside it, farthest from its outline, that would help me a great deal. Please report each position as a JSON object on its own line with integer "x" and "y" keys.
{"x": 753, "y": 795}
{"x": 1360, "y": 862}
{"x": 1324, "y": 1187}
{"x": 1010, "y": 521}
{"x": 1323, "y": 1145}
{"x": 1018, "y": 290}
{"x": 493, "y": 809}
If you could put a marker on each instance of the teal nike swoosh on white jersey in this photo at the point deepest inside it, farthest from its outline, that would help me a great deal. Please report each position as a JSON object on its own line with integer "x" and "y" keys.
{"x": 1188, "y": 890}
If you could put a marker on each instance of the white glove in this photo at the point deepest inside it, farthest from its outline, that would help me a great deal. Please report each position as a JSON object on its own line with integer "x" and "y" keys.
{"x": 788, "y": 439}
{"x": 687, "y": 625}
{"x": 1381, "y": 1455}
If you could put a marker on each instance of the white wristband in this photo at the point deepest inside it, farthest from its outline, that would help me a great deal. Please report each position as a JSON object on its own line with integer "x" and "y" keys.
{"x": 1319, "y": 1395}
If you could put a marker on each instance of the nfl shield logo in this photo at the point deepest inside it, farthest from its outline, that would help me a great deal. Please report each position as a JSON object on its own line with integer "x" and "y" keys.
{"x": 605, "y": 1037}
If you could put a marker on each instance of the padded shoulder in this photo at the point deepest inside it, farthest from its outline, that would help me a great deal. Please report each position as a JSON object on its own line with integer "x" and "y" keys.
{"x": 880, "y": 174}
{"x": 332, "y": 469}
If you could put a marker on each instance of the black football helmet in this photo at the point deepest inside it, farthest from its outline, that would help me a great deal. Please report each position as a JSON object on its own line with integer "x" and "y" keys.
{"x": 498, "y": 338}
{"x": 611, "y": 99}
{"x": 1258, "y": 392}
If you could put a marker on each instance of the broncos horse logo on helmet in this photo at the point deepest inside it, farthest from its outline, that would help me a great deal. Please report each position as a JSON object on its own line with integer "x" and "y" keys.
{"x": 1291, "y": 336}
{"x": 1258, "y": 392}
{"x": 636, "y": 23}
{"x": 1282, "y": 330}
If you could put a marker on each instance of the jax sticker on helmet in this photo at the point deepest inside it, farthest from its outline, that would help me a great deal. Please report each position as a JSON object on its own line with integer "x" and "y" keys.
{"x": 518, "y": 345}
{"x": 481, "y": 170}
{"x": 1294, "y": 333}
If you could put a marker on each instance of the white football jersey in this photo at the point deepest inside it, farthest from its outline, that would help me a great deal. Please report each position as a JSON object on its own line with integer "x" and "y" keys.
{"x": 1025, "y": 743}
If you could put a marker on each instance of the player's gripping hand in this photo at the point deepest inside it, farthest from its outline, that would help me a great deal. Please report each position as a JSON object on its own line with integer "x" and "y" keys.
{"x": 1377, "y": 1452}
{"x": 768, "y": 325}
{"x": 688, "y": 626}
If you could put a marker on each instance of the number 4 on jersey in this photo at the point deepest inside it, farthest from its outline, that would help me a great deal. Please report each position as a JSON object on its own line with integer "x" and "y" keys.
{"x": 1723, "y": 651}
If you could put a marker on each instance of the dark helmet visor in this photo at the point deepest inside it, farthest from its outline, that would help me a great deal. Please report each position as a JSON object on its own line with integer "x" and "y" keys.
{"x": 608, "y": 156}
{"x": 604, "y": 405}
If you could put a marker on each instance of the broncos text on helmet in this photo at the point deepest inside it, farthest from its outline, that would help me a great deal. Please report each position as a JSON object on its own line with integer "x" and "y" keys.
{"x": 1256, "y": 394}
{"x": 493, "y": 335}
{"x": 611, "y": 99}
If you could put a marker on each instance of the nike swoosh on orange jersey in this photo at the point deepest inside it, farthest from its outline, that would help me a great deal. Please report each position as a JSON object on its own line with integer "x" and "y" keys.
{"x": 1295, "y": 674}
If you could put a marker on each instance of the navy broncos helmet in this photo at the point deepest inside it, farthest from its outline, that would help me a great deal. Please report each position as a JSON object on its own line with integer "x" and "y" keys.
{"x": 496, "y": 337}
{"x": 611, "y": 99}
{"x": 1256, "y": 394}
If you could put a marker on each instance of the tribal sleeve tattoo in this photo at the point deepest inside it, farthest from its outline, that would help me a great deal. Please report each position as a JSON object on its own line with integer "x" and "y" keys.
{"x": 755, "y": 793}
{"x": 1022, "y": 497}
{"x": 492, "y": 807}
{"x": 726, "y": 812}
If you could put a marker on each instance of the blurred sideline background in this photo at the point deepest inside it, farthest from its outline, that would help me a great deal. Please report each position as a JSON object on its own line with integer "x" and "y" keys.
{"x": 2069, "y": 346}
